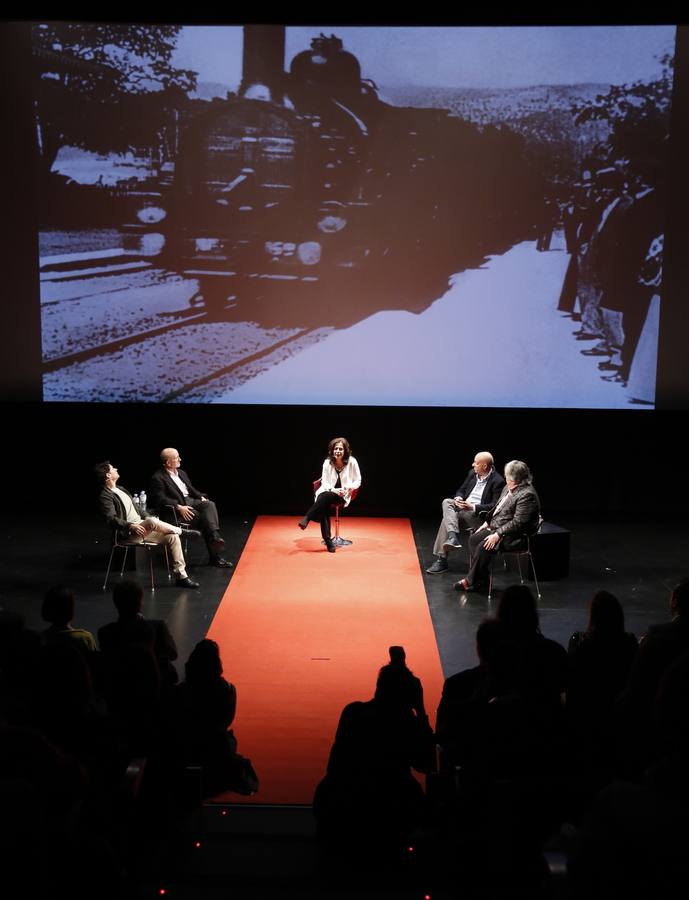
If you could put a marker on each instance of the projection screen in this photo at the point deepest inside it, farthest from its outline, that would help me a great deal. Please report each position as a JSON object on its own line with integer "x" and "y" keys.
{"x": 399, "y": 216}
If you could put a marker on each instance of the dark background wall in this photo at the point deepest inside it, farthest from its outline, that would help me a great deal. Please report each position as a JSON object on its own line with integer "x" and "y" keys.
{"x": 263, "y": 459}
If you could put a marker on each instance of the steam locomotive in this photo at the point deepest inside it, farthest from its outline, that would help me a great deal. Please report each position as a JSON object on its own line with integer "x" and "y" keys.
{"x": 306, "y": 189}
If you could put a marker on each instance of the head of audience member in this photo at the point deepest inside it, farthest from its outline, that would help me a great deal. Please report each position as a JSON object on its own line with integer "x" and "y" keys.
{"x": 397, "y": 688}
{"x": 58, "y": 607}
{"x": 483, "y": 463}
{"x": 128, "y": 597}
{"x": 606, "y": 616}
{"x": 518, "y": 612}
{"x": 517, "y": 473}
{"x": 489, "y": 634}
{"x": 204, "y": 664}
{"x": 346, "y": 449}
{"x": 170, "y": 459}
{"x": 679, "y": 599}
{"x": 106, "y": 474}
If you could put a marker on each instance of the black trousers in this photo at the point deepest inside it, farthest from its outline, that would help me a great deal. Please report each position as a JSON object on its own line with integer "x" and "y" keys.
{"x": 205, "y": 520}
{"x": 480, "y": 558}
{"x": 319, "y": 511}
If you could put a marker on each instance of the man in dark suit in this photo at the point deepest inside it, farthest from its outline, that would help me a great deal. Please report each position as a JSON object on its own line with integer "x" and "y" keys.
{"x": 174, "y": 496}
{"x": 515, "y": 516}
{"x": 478, "y": 493}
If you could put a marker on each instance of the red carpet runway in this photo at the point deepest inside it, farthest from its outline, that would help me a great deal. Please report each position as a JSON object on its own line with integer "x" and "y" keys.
{"x": 302, "y": 632}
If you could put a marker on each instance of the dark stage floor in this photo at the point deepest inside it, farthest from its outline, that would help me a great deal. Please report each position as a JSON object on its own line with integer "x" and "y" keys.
{"x": 637, "y": 560}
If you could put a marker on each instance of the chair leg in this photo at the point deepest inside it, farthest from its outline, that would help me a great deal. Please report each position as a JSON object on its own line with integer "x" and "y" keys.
{"x": 533, "y": 569}
{"x": 150, "y": 566}
{"x": 124, "y": 560}
{"x": 167, "y": 561}
{"x": 107, "y": 572}
{"x": 337, "y": 540}
{"x": 519, "y": 565}
{"x": 521, "y": 573}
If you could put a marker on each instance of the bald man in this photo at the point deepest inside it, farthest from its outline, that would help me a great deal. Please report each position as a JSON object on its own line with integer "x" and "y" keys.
{"x": 171, "y": 487}
{"x": 478, "y": 493}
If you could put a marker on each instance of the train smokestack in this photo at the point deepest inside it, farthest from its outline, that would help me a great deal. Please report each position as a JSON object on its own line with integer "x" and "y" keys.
{"x": 263, "y": 62}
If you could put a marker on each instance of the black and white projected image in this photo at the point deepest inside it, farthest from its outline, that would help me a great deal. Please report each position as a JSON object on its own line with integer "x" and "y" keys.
{"x": 395, "y": 216}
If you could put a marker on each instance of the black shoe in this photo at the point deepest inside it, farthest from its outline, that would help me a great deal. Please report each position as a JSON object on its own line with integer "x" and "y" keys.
{"x": 452, "y": 542}
{"x": 221, "y": 563}
{"x": 218, "y": 543}
{"x": 191, "y": 532}
{"x": 594, "y": 351}
{"x": 330, "y": 545}
{"x": 588, "y": 336}
{"x": 304, "y": 522}
{"x": 440, "y": 565}
{"x": 187, "y": 583}
{"x": 617, "y": 378}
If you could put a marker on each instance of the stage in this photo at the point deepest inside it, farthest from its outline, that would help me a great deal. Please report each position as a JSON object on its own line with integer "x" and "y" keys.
{"x": 636, "y": 560}
{"x": 639, "y": 560}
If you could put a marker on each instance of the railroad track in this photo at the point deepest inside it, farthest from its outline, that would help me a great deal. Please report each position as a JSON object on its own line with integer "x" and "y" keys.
{"x": 185, "y": 317}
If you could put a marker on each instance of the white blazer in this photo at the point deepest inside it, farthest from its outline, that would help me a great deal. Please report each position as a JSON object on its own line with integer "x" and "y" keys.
{"x": 350, "y": 478}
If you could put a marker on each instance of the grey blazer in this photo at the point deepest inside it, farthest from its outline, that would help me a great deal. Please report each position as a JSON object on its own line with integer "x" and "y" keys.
{"x": 519, "y": 514}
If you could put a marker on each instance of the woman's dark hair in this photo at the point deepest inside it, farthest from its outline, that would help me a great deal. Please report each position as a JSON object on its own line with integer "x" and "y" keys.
{"x": 345, "y": 444}
{"x": 606, "y": 613}
{"x": 204, "y": 663}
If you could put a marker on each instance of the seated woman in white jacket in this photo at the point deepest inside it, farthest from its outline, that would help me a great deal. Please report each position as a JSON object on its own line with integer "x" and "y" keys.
{"x": 340, "y": 482}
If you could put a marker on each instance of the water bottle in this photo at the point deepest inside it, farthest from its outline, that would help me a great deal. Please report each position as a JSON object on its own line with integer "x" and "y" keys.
{"x": 142, "y": 501}
{"x": 135, "y": 501}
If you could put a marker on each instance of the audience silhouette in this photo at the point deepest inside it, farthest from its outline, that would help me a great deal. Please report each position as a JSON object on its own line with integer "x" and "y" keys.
{"x": 198, "y": 718}
{"x": 369, "y": 797}
{"x": 586, "y": 747}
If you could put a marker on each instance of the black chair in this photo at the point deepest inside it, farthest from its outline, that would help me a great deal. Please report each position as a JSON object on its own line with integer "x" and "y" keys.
{"x": 523, "y": 548}
{"x": 149, "y": 546}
